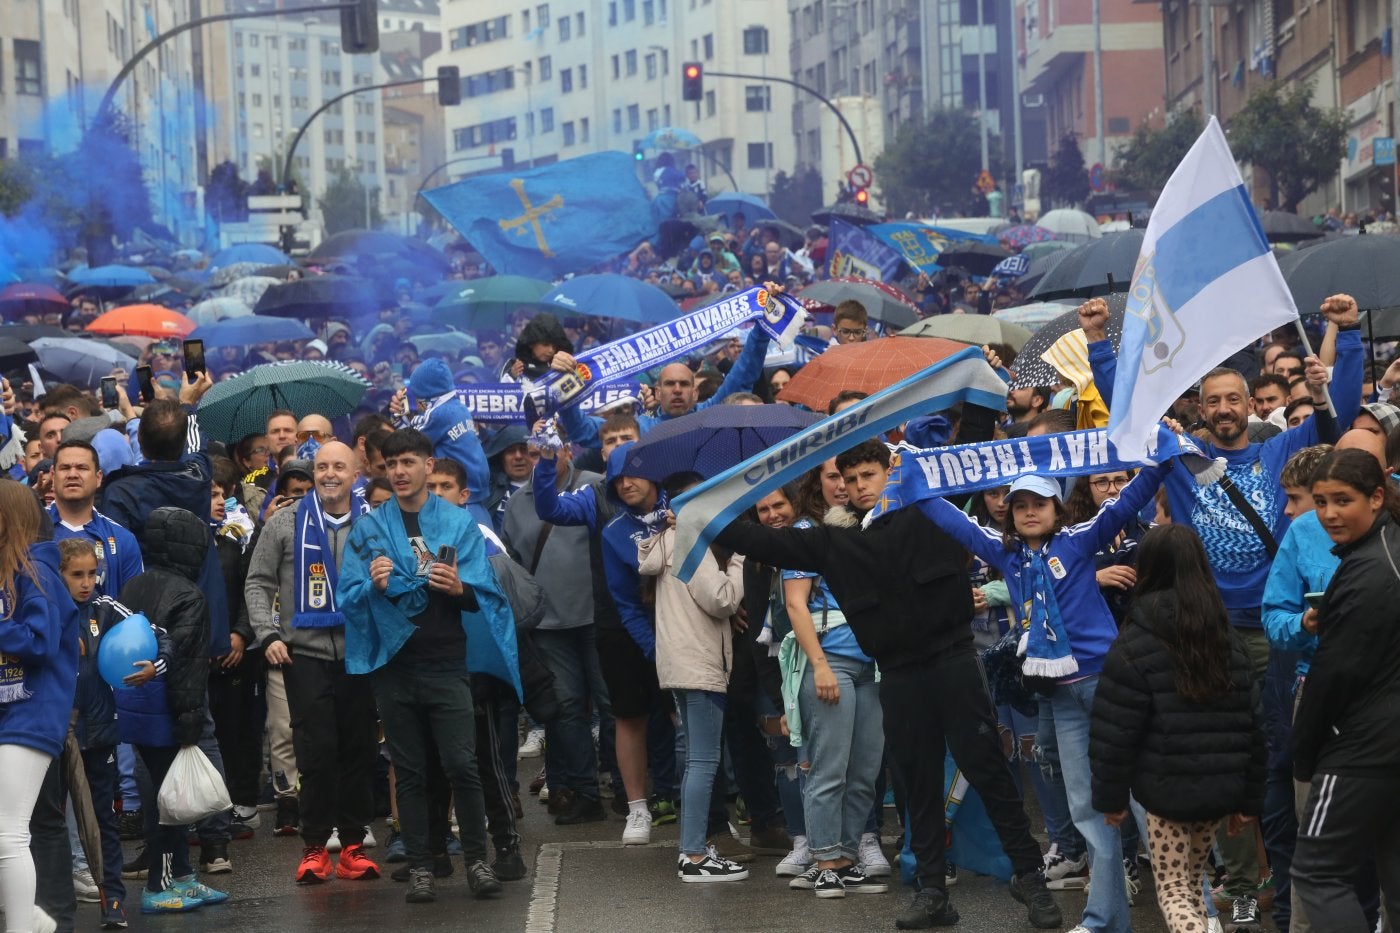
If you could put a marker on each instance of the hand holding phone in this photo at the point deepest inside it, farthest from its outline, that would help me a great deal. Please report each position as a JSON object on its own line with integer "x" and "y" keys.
{"x": 193, "y": 352}
{"x": 1314, "y": 600}
{"x": 109, "y": 392}
{"x": 147, "y": 387}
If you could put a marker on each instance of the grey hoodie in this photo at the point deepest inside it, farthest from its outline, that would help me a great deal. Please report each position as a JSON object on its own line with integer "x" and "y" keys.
{"x": 564, "y": 571}
{"x": 269, "y": 596}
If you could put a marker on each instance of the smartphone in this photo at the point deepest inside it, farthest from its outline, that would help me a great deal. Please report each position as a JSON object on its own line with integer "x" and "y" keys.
{"x": 109, "y": 392}
{"x": 194, "y": 358}
{"x": 143, "y": 381}
{"x": 447, "y": 554}
{"x": 1314, "y": 600}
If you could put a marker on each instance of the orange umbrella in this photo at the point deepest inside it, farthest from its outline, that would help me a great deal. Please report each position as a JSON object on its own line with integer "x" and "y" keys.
{"x": 869, "y": 367}
{"x": 143, "y": 321}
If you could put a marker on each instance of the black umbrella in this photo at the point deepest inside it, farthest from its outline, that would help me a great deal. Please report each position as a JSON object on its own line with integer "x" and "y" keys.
{"x": 851, "y": 213}
{"x": 15, "y": 354}
{"x": 1032, "y": 371}
{"x": 714, "y": 439}
{"x": 976, "y": 258}
{"x": 29, "y": 332}
{"x": 355, "y": 246}
{"x": 1040, "y": 267}
{"x": 1364, "y": 267}
{"x": 1288, "y": 227}
{"x": 1097, "y": 268}
{"x": 319, "y": 296}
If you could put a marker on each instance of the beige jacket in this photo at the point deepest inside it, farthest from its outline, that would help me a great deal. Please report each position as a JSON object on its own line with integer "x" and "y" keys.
{"x": 694, "y": 645}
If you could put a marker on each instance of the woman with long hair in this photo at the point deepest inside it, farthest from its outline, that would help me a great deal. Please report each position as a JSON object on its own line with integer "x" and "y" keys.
{"x": 1174, "y": 721}
{"x": 1349, "y": 714}
{"x": 38, "y": 677}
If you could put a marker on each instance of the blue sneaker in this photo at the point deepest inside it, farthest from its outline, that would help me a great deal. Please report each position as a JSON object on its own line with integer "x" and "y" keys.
{"x": 394, "y": 851}
{"x": 192, "y": 887}
{"x": 454, "y": 845}
{"x": 169, "y": 901}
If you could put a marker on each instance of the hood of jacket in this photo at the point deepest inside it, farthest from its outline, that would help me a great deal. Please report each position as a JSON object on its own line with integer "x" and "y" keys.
{"x": 431, "y": 379}
{"x": 616, "y": 460}
{"x": 176, "y": 540}
{"x": 45, "y": 553}
{"x": 542, "y": 328}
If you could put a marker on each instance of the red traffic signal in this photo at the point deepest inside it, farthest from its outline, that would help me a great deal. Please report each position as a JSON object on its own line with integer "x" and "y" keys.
{"x": 692, "y": 81}
{"x": 862, "y": 197}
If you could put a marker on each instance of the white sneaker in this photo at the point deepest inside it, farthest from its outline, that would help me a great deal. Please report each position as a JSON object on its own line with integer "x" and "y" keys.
{"x": 637, "y": 832}
{"x": 533, "y": 746}
{"x": 871, "y": 858}
{"x": 713, "y": 867}
{"x": 797, "y": 861}
{"x": 333, "y": 843}
{"x": 1063, "y": 874}
{"x": 1213, "y": 925}
{"x": 42, "y": 922}
{"x": 84, "y": 888}
{"x": 544, "y": 793}
{"x": 370, "y": 842}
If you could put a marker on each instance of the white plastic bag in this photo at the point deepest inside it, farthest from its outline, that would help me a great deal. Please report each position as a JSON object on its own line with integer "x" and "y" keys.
{"x": 192, "y": 789}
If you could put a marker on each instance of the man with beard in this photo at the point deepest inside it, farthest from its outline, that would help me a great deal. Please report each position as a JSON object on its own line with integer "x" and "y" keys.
{"x": 1023, "y": 405}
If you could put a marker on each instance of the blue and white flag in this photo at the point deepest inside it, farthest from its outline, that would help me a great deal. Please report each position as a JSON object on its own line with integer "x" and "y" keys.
{"x": 706, "y": 510}
{"x": 1012, "y": 267}
{"x": 549, "y": 221}
{"x": 1206, "y": 284}
{"x": 852, "y": 252}
{"x": 921, "y": 244}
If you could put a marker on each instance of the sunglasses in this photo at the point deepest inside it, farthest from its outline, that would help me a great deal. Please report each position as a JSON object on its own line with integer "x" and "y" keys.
{"x": 304, "y": 436}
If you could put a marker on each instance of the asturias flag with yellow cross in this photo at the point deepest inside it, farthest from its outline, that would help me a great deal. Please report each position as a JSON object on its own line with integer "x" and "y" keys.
{"x": 551, "y": 220}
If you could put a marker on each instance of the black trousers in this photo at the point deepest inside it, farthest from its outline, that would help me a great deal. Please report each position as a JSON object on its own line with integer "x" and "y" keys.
{"x": 48, "y": 844}
{"x": 100, "y": 765}
{"x": 239, "y": 709}
{"x": 937, "y": 707}
{"x": 336, "y": 738}
{"x": 1348, "y": 819}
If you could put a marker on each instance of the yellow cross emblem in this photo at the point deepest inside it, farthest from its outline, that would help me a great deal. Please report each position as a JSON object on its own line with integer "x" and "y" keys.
{"x": 532, "y": 216}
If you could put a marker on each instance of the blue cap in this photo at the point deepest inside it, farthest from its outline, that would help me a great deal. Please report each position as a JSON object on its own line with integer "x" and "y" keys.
{"x": 1040, "y": 485}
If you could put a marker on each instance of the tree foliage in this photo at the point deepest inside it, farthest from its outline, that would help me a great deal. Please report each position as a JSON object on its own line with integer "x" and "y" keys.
{"x": 1145, "y": 162}
{"x": 1066, "y": 183}
{"x": 1297, "y": 144}
{"x": 795, "y": 197}
{"x": 343, "y": 205}
{"x": 933, "y": 165}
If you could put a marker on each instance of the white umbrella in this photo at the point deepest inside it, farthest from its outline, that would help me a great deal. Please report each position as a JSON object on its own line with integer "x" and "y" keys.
{"x": 249, "y": 288}
{"x": 1070, "y": 224}
{"x": 213, "y": 310}
{"x": 1031, "y": 316}
{"x": 977, "y": 225}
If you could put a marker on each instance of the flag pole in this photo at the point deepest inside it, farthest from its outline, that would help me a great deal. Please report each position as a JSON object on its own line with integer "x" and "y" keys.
{"x": 1307, "y": 346}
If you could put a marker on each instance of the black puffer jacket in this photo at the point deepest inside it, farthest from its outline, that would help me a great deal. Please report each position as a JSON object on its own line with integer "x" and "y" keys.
{"x": 175, "y": 545}
{"x": 1181, "y": 760}
{"x": 542, "y": 328}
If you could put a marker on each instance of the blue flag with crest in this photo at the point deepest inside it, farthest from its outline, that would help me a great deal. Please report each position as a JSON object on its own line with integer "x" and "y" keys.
{"x": 548, "y": 221}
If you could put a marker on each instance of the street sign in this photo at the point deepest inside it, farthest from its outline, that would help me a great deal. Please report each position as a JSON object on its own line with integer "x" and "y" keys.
{"x": 985, "y": 182}
{"x": 1383, "y": 150}
{"x": 1096, "y": 176}
{"x": 861, "y": 176}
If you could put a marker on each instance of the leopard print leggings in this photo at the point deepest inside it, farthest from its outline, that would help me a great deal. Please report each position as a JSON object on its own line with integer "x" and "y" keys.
{"x": 1179, "y": 852}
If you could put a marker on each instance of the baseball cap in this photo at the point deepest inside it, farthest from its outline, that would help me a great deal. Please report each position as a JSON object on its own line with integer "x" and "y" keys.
{"x": 1040, "y": 485}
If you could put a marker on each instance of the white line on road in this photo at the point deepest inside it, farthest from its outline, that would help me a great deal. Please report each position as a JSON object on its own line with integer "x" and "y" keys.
{"x": 544, "y": 896}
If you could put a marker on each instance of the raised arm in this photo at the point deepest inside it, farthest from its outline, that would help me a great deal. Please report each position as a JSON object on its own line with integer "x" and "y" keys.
{"x": 986, "y": 543}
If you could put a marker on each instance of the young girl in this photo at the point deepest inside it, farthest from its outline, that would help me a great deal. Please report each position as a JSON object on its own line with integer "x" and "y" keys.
{"x": 1049, "y": 569}
{"x": 38, "y": 672}
{"x": 1174, "y": 721}
{"x": 1344, "y": 730}
{"x": 694, "y": 655}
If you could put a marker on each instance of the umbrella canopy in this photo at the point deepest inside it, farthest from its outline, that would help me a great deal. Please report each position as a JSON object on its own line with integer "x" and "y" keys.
{"x": 486, "y": 302}
{"x": 851, "y": 213}
{"x": 15, "y": 353}
{"x": 248, "y": 330}
{"x": 452, "y": 343}
{"x": 1361, "y": 266}
{"x": 110, "y": 277}
{"x": 233, "y": 272}
{"x": 884, "y": 303}
{"x": 213, "y": 310}
{"x": 1086, "y": 271}
{"x": 237, "y": 407}
{"x": 1033, "y": 371}
{"x": 1024, "y": 235}
{"x": 790, "y": 235}
{"x": 1288, "y": 227}
{"x": 31, "y": 332}
{"x": 249, "y": 289}
{"x": 318, "y": 296}
{"x": 142, "y": 321}
{"x": 732, "y": 202}
{"x": 868, "y": 367}
{"x": 977, "y": 329}
{"x": 1071, "y": 224}
{"x": 713, "y": 439}
{"x": 976, "y": 258}
{"x": 80, "y": 362}
{"x": 1045, "y": 248}
{"x": 612, "y": 295}
{"x": 1031, "y": 316}
{"x": 362, "y": 247}
{"x": 671, "y": 137}
{"x": 259, "y": 253}
{"x": 978, "y": 225}
{"x": 1040, "y": 267}
{"x": 31, "y": 298}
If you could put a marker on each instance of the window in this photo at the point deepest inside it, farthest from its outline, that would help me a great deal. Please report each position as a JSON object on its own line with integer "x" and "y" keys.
{"x": 566, "y": 79}
{"x": 484, "y": 134}
{"x": 564, "y": 24}
{"x": 709, "y": 43}
{"x": 821, "y": 78}
{"x": 568, "y": 131}
{"x": 612, "y": 13}
{"x": 629, "y": 10}
{"x": 582, "y": 76}
{"x": 760, "y": 155}
{"x": 578, "y": 24}
{"x": 709, "y": 103}
{"x": 758, "y": 98}
{"x": 756, "y": 41}
{"x": 546, "y": 68}
{"x": 28, "y": 78}
{"x": 651, "y": 66}
{"x": 254, "y": 70}
{"x": 1119, "y": 126}
{"x": 542, "y": 15}
{"x": 272, "y": 42}
{"x": 631, "y": 59}
{"x": 253, "y": 41}
{"x": 488, "y": 82}
{"x": 525, "y": 21}
{"x": 634, "y": 116}
{"x": 257, "y": 100}
{"x": 583, "y": 130}
{"x": 257, "y": 131}
{"x": 617, "y": 67}
{"x": 617, "y": 120}
{"x": 479, "y": 33}
{"x": 547, "y": 120}
{"x": 648, "y": 12}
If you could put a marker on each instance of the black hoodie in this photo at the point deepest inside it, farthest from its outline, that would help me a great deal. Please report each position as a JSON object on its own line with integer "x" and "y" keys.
{"x": 542, "y": 328}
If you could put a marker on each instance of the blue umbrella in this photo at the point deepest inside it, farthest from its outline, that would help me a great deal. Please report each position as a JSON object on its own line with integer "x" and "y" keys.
{"x": 729, "y": 202}
{"x": 671, "y": 137}
{"x": 259, "y": 253}
{"x": 612, "y": 296}
{"x": 714, "y": 439}
{"x": 110, "y": 276}
{"x": 248, "y": 330}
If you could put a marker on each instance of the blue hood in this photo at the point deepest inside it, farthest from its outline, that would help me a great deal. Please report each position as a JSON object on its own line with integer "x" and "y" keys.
{"x": 929, "y": 431}
{"x": 616, "y": 460}
{"x": 432, "y": 378}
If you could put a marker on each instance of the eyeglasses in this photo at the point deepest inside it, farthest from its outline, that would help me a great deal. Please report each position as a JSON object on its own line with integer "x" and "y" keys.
{"x": 850, "y": 331}
{"x": 1105, "y": 483}
{"x": 260, "y": 452}
{"x": 304, "y": 436}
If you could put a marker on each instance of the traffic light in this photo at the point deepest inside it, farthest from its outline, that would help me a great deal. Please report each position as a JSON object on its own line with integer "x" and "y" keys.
{"x": 359, "y": 27}
{"x": 692, "y": 81}
{"x": 638, "y": 150}
{"x": 862, "y": 197}
{"x": 449, "y": 85}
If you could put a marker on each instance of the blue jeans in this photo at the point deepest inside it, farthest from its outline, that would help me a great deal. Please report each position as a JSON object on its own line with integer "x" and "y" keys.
{"x": 845, "y": 742}
{"x": 1107, "y": 909}
{"x": 569, "y": 758}
{"x": 1051, "y": 790}
{"x": 702, "y": 718}
{"x": 790, "y": 777}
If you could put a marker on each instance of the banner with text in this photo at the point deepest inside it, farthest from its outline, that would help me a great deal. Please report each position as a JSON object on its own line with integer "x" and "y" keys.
{"x": 504, "y": 402}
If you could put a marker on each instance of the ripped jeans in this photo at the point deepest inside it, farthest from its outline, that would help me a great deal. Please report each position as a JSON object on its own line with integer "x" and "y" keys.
{"x": 790, "y": 765}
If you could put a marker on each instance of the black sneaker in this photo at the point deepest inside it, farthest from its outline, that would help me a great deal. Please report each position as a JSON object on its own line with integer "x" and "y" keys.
{"x": 288, "y": 816}
{"x": 928, "y": 909}
{"x": 582, "y": 810}
{"x": 710, "y": 868}
{"x": 1041, "y": 909}
{"x": 420, "y": 887}
{"x": 131, "y": 825}
{"x": 829, "y": 884}
{"x": 1244, "y": 914}
{"x": 807, "y": 880}
{"x": 442, "y": 868}
{"x": 135, "y": 869}
{"x": 856, "y": 881}
{"x": 508, "y": 866}
{"x": 482, "y": 880}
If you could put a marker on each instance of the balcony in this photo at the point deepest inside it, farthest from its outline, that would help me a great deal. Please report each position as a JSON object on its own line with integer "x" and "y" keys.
{"x": 1062, "y": 49}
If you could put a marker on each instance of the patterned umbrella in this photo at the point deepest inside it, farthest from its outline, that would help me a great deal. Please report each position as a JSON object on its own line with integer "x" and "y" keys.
{"x": 239, "y": 406}
{"x": 233, "y": 272}
{"x": 671, "y": 137}
{"x": 213, "y": 310}
{"x": 1032, "y": 371}
{"x": 1024, "y": 235}
{"x": 259, "y": 253}
{"x": 869, "y": 367}
{"x": 249, "y": 289}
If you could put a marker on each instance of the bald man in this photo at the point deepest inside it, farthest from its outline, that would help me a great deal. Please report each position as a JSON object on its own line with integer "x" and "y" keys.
{"x": 1369, "y": 441}
{"x": 334, "y": 730}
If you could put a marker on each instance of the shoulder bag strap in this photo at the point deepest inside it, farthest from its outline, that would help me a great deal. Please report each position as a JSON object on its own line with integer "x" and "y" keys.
{"x": 1250, "y": 515}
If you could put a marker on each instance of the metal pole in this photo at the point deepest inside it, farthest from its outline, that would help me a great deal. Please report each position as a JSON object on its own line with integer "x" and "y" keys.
{"x": 1208, "y": 58}
{"x": 1098, "y": 85}
{"x": 982, "y": 80}
{"x": 1016, "y": 96}
{"x": 1307, "y": 349}
{"x": 855, "y": 144}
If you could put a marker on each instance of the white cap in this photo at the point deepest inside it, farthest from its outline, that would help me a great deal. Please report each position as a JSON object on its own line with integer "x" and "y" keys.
{"x": 1040, "y": 485}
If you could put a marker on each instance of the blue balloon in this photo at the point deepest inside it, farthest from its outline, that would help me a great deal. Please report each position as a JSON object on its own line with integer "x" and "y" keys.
{"x": 129, "y": 641}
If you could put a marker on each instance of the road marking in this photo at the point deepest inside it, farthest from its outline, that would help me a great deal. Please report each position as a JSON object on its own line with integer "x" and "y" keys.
{"x": 544, "y": 896}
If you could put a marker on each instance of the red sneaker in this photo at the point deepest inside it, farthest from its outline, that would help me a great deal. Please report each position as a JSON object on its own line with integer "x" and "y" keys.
{"x": 315, "y": 866}
{"x": 354, "y": 865}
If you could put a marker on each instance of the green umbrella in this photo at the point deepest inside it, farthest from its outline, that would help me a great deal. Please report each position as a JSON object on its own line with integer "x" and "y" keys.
{"x": 978, "y": 329}
{"x": 485, "y": 302}
{"x": 233, "y": 409}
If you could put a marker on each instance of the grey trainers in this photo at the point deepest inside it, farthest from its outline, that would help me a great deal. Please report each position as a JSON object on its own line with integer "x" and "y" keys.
{"x": 482, "y": 880}
{"x": 420, "y": 887}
